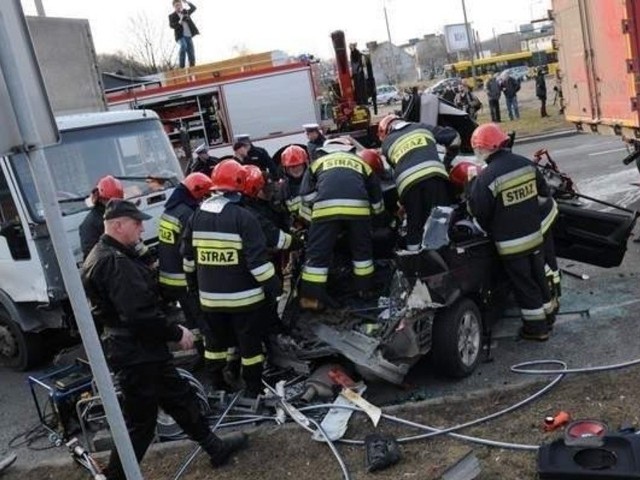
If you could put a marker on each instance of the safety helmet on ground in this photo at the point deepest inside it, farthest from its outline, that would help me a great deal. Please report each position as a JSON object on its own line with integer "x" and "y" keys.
{"x": 294, "y": 155}
{"x": 338, "y": 144}
{"x": 488, "y": 136}
{"x": 372, "y": 158}
{"x": 109, "y": 187}
{"x": 385, "y": 123}
{"x": 462, "y": 172}
{"x": 198, "y": 184}
{"x": 254, "y": 181}
{"x": 228, "y": 176}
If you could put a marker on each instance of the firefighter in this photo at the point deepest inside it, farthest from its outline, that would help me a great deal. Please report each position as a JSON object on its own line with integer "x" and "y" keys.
{"x": 254, "y": 155}
{"x": 504, "y": 198}
{"x": 549, "y": 214}
{"x": 343, "y": 192}
{"x": 225, "y": 258}
{"x": 92, "y": 227}
{"x": 315, "y": 139}
{"x": 124, "y": 299}
{"x": 177, "y": 211}
{"x": 294, "y": 161}
{"x": 421, "y": 178}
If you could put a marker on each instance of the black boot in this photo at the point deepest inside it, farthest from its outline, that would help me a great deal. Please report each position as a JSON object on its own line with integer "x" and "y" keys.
{"x": 537, "y": 331}
{"x": 220, "y": 449}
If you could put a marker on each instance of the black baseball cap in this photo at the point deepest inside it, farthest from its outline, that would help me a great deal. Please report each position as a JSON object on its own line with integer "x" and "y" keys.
{"x": 123, "y": 208}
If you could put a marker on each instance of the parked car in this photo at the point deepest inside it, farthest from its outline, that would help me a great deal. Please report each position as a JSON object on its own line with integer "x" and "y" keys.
{"x": 387, "y": 94}
{"x": 520, "y": 74}
{"x": 439, "y": 87}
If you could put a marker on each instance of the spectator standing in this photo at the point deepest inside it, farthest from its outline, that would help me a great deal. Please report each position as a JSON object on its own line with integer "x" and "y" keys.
{"x": 184, "y": 30}
{"x": 511, "y": 87}
{"x": 541, "y": 92}
{"x": 493, "y": 94}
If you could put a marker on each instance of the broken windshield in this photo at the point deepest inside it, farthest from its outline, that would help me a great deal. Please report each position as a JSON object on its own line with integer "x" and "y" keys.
{"x": 138, "y": 153}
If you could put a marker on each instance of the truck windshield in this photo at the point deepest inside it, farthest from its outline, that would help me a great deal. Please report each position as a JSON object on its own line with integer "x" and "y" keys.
{"x": 137, "y": 152}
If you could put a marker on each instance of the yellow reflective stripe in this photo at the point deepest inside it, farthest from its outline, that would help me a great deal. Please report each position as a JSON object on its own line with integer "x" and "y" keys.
{"x": 363, "y": 268}
{"x": 264, "y": 272}
{"x": 511, "y": 179}
{"x": 424, "y": 170}
{"x": 284, "y": 240}
{"x": 377, "y": 207}
{"x": 334, "y": 211}
{"x": 417, "y": 138}
{"x": 188, "y": 266}
{"x": 533, "y": 314}
{"x": 248, "y": 362}
{"x": 550, "y": 218}
{"x": 293, "y": 204}
{"x": 220, "y": 355}
{"x": 172, "y": 279}
{"x": 315, "y": 274}
{"x": 520, "y": 245}
{"x": 305, "y": 212}
{"x": 231, "y": 299}
{"x": 164, "y": 223}
{"x": 232, "y": 354}
{"x": 199, "y": 242}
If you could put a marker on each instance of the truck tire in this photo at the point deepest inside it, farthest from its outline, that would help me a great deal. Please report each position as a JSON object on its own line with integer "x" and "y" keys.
{"x": 457, "y": 339}
{"x": 18, "y": 350}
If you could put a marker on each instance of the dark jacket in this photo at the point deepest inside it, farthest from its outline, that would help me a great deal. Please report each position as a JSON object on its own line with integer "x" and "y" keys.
{"x": 124, "y": 299}
{"x": 91, "y": 228}
{"x": 202, "y": 166}
{"x": 225, "y": 257}
{"x": 493, "y": 89}
{"x": 341, "y": 186}
{"x": 510, "y": 87}
{"x": 259, "y": 157}
{"x": 412, "y": 153}
{"x": 174, "y": 22}
{"x": 541, "y": 86}
{"x": 313, "y": 146}
{"x": 504, "y": 198}
{"x": 273, "y": 223}
{"x": 177, "y": 212}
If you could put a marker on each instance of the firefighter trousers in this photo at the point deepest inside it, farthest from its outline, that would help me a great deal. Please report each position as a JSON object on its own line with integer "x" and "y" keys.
{"x": 552, "y": 270}
{"x": 320, "y": 243}
{"x": 418, "y": 201}
{"x": 145, "y": 387}
{"x": 530, "y": 288}
{"x": 246, "y": 330}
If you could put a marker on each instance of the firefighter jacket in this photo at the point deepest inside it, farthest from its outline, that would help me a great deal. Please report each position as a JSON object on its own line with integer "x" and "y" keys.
{"x": 178, "y": 210}
{"x": 548, "y": 213}
{"x": 412, "y": 153}
{"x": 504, "y": 200}
{"x": 124, "y": 300}
{"x": 91, "y": 228}
{"x": 341, "y": 186}
{"x": 291, "y": 193}
{"x": 225, "y": 254}
{"x": 274, "y": 224}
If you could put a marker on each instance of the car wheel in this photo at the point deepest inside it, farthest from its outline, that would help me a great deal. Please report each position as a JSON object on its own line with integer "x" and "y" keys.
{"x": 457, "y": 339}
{"x": 18, "y": 350}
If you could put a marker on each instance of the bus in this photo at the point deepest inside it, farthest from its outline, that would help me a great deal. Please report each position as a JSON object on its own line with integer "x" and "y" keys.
{"x": 486, "y": 67}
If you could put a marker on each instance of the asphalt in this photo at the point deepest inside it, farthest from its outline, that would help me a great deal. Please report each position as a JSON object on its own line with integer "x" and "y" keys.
{"x": 609, "y": 335}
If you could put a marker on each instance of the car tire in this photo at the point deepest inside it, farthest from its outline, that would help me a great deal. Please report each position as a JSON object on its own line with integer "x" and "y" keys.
{"x": 19, "y": 350}
{"x": 457, "y": 339}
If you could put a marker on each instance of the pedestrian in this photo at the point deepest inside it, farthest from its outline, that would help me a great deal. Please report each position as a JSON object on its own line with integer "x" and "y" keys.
{"x": 315, "y": 139}
{"x": 510, "y": 88}
{"x": 467, "y": 101}
{"x": 203, "y": 162}
{"x": 421, "y": 177}
{"x": 505, "y": 200}
{"x": 226, "y": 261}
{"x": 124, "y": 297}
{"x": 92, "y": 227}
{"x": 255, "y": 155}
{"x": 541, "y": 92}
{"x": 493, "y": 95}
{"x": 343, "y": 193}
{"x": 184, "y": 30}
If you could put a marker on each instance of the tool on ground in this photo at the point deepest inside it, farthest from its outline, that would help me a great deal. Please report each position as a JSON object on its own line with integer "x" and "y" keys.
{"x": 382, "y": 451}
{"x": 82, "y": 457}
{"x": 554, "y": 422}
{"x": 339, "y": 377}
{"x": 581, "y": 276}
{"x": 198, "y": 449}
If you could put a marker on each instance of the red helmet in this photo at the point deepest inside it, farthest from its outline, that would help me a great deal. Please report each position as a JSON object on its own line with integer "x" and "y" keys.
{"x": 254, "y": 181}
{"x": 488, "y": 137}
{"x": 461, "y": 173}
{"x": 198, "y": 184}
{"x": 372, "y": 158}
{"x": 110, "y": 187}
{"x": 228, "y": 176}
{"x": 385, "y": 123}
{"x": 293, "y": 156}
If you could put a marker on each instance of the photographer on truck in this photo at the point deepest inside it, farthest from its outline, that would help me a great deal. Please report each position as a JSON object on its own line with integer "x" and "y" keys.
{"x": 184, "y": 30}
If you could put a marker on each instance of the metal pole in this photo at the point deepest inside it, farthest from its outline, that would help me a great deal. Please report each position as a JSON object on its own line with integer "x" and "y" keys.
{"x": 470, "y": 42}
{"x": 40, "y": 8}
{"x": 393, "y": 53}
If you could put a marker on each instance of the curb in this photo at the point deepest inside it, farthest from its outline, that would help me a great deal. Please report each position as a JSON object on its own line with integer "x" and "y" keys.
{"x": 545, "y": 136}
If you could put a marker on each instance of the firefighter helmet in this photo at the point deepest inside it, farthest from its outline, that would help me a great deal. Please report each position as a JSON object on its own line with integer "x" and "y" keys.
{"x": 293, "y": 156}
{"x": 372, "y": 158}
{"x": 109, "y": 187}
{"x": 198, "y": 184}
{"x": 488, "y": 137}
{"x": 228, "y": 176}
{"x": 385, "y": 123}
{"x": 462, "y": 172}
{"x": 254, "y": 181}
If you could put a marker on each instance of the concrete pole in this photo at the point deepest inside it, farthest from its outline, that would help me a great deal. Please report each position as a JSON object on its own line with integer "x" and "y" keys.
{"x": 391, "y": 50}
{"x": 470, "y": 42}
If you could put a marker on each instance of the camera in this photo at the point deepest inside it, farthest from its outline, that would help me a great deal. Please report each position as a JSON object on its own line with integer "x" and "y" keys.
{"x": 184, "y": 12}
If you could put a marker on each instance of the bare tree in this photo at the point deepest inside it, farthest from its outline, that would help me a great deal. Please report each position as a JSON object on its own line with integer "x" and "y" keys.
{"x": 240, "y": 50}
{"x": 150, "y": 45}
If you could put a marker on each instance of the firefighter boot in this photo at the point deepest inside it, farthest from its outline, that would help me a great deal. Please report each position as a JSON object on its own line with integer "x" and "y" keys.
{"x": 537, "y": 331}
{"x": 220, "y": 449}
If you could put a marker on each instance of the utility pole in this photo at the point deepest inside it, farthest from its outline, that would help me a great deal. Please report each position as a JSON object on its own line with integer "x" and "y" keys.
{"x": 40, "y": 8}
{"x": 469, "y": 42}
{"x": 392, "y": 52}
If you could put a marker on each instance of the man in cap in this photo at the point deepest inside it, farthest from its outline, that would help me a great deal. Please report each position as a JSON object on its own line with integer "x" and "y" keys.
{"x": 203, "y": 162}
{"x": 315, "y": 139}
{"x": 255, "y": 155}
{"x": 124, "y": 298}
